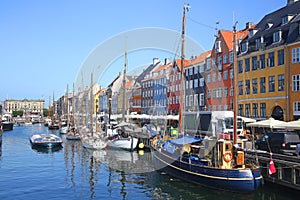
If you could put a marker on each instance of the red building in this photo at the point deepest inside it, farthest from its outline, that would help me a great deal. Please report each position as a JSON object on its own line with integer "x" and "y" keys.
{"x": 220, "y": 73}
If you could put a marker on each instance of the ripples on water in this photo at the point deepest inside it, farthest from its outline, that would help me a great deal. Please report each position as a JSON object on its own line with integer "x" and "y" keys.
{"x": 73, "y": 172}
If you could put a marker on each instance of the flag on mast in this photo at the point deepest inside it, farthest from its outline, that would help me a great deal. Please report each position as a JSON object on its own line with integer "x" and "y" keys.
{"x": 272, "y": 169}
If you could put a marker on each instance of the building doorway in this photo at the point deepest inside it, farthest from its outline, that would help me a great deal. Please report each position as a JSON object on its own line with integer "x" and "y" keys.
{"x": 278, "y": 113}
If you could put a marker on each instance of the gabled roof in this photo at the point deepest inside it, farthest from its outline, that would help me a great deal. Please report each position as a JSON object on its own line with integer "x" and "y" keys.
{"x": 272, "y": 22}
{"x": 228, "y": 37}
{"x": 177, "y": 62}
{"x": 200, "y": 58}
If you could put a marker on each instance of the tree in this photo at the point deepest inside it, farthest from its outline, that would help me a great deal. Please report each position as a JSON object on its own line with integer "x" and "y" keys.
{"x": 17, "y": 113}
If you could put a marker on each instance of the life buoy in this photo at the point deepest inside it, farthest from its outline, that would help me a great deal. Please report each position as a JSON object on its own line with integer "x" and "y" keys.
{"x": 227, "y": 156}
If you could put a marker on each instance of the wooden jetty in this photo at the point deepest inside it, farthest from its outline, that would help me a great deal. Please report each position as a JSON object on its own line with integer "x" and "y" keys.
{"x": 287, "y": 168}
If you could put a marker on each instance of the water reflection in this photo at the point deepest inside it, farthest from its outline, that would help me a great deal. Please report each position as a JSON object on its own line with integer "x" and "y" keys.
{"x": 46, "y": 150}
{"x": 0, "y": 144}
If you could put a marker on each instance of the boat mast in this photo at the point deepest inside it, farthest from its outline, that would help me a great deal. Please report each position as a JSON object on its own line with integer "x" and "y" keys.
{"x": 181, "y": 99}
{"x": 67, "y": 105}
{"x": 53, "y": 108}
{"x": 235, "y": 84}
{"x": 124, "y": 82}
{"x": 73, "y": 106}
{"x": 91, "y": 104}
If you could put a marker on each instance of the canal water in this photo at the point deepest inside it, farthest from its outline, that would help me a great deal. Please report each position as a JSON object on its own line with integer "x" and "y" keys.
{"x": 73, "y": 172}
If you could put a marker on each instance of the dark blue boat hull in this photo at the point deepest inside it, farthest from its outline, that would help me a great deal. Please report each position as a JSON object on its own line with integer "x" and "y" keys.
{"x": 46, "y": 144}
{"x": 241, "y": 180}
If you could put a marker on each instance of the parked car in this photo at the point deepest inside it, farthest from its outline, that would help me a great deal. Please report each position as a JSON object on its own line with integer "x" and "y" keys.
{"x": 278, "y": 142}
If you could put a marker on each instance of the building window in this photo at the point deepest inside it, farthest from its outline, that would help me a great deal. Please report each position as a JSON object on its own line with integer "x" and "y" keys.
{"x": 271, "y": 59}
{"x": 257, "y": 44}
{"x": 195, "y": 83}
{"x": 208, "y": 93}
{"x": 247, "y": 85}
{"x": 201, "y": 68}
{"x": 231, "y": 74}
{"x": 263, "y": 110}
{"x": 201, "y": 102}
{"x": 225, "y": 92}
{"x": 254, "y": 110}
{"x": 240, "y": 65}
{"x": 195, "y": 99}
{"x": 296, "y": 83}
{"x": 247, "y": 110}
{"x": 191, "y": 100}
{"x": 219, "y": 76}
{"x": 241, "y": 110}
{"x": 231, "y": 57}
{"x": 276, "y": 36}
{"x": 208, "y": 64}
{"x": 281, "y": 82}
{"x": 281, "y": 57}
{"x": 191, "y": 84}
{"x": 196, "y": 70}
{"x": 208, "y": 78}
{"x": 201, "y": 82}
{"x": 225, "y": 59}
{"x": 296, "y": 55}
{"x": 240, "y": 84}
{"x": 297, "y": 107}
{"x": 271, "y": 83}
{"x": 225, "y": 75}
{"x": 247, "y": 64}
{"x": 254, "y": 63}
{"x": 262, "y": 61}
{"x": 254, "y": 86}
{"x": 231, "y": 91}
{"x": 214, "y": 77}
{"x": 262, "y": 85}
{"x": 244, "y": 47}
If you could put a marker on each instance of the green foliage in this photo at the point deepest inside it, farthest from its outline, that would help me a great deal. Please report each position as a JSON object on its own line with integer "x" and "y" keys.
{"x": 47, "y": 113}
{"x": 16, "y": 113}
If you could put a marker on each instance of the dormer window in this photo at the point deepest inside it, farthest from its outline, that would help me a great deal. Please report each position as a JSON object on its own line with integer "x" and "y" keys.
{"x": 244, "y": 47}
{"x": 277, "y": 36}
{"x": 286, "y": 19}
{"x": 268, "y": 26}
{"x": 251, "y": 32}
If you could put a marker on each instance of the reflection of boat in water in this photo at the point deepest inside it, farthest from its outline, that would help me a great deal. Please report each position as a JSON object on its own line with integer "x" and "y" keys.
{"x": 47, "y": 150}
{"x": 45, "y": 141}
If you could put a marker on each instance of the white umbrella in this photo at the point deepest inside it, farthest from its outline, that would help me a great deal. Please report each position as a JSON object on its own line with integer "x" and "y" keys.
{"x": 247, "y": 120}
{"x": 290, "y": 125}
{"x": 269, "y": 123}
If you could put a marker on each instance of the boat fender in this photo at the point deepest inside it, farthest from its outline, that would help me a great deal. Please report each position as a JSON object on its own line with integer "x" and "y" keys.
{"x": 227, "y": 156}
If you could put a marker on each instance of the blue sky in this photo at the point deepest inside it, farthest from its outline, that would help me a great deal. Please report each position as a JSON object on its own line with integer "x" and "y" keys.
{"x": 43, "y": 44}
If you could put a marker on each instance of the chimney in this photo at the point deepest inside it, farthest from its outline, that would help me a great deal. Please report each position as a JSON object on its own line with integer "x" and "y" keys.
{"x": 289, "y": 2}
{"x": 249, "y": 25}
{"x": 155, "y": 61}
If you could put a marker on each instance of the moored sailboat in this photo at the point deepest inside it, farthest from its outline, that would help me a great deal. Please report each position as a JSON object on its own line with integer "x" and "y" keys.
{"x": 208, "y": 161}
{"x": 92, "y": 139}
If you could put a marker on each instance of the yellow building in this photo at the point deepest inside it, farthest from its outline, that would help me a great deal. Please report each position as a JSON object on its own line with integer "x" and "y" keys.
{"x": 264, "y": 66}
